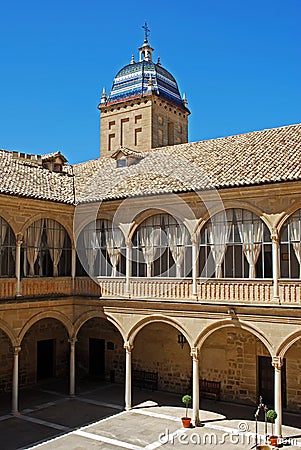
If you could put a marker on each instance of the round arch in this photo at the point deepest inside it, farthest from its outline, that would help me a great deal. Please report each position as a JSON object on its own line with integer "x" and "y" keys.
{"x": 141, "y": 217}
{"x": 153, "y": 319}
{"x": 233, "y": 205}
{"x": 47, "y": 315}
{"x": 230, "y": 323}
{"x": 4, "y": 215}
{"x": 89, "y": 218}
{"x": 287, "y": 343}
{"x": 93, "y": 315}
{"x": 49, "y": 215}
{"x": 9, "y": 332}
{"x": 286, "y": 215}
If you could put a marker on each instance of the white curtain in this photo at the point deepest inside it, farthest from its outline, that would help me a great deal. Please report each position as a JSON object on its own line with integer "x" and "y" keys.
{"x": 33, "y": 242}
{"x": 91, "y": 243}
{"x": 295, "y": 237}
{"x": 55, "y": 233}
{"x": 250, "y": 231}
{"x": 4, "y": 228}
{"x": 218, "y": 232}
{"x": 113, "y": 244}
{"x": 149, "y": 233}
{"x": 177, "y": 240}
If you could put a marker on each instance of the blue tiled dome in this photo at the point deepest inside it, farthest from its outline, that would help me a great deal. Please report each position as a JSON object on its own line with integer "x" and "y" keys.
{"x": 142, "y": 78}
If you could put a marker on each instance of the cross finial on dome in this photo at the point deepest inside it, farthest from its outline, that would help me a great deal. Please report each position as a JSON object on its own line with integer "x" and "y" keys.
{"x": 146, "y": 32}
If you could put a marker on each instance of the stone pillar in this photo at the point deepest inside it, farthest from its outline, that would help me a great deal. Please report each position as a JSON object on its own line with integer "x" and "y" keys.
{"x": 15, "y": 387}
{"x": 19, "y": 242}
{"x": 128, "y": 270}
{"x": 276, "y": 265}
{"x": 128, "y": 376}
{"x": 72, "y": 342}
{"x": 195, "y": 385}
{"x": 195, "y": 264}
{"x": 277, "y": 363}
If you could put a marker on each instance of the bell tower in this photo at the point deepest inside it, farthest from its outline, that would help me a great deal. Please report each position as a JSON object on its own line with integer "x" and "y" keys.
{"x": 144, "y": 108}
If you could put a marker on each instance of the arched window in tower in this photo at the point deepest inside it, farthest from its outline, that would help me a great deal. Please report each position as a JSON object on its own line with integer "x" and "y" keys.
{"x": 235, "y": 244}
{"x": 171, "y": 133}
{"x": 161, "y": 248}
{"x": 290, "y": 247}
{"x": 101, "y": 250}
{"x": 46, "y": 250}
{"x": 7, "y": 250}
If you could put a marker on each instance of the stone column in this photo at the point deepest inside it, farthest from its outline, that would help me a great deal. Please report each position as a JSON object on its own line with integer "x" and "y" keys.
{"x": 19, "y": 242}
{"x": 72, "y": 342}
{"x": 128, "y": 376}
{"x": 195, "y": 264}
{"x": 277, "y": 363}
{"x": 128, "y": 270}
{"x": 15, "y": 387}
{"x": 276, "y": 265}
{"x": 195, "y": 385}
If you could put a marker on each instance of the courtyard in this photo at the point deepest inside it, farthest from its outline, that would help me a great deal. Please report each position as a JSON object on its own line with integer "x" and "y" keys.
{"x": 95, "y": 419}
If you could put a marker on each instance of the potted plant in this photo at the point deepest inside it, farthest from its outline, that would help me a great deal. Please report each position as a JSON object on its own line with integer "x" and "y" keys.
{"x": 271, "y": 415}
{"x": 186, "y": 421}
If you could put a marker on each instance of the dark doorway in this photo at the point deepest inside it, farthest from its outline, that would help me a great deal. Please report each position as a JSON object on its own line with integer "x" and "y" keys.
{"x": 266, "y": 381}
{"x": 45, "y": 359}
{"x": 97, "y": 357}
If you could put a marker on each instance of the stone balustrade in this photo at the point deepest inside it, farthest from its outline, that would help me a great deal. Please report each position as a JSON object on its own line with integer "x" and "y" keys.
{"x": 235, "y": 291}
{"x": 212, "y": 290}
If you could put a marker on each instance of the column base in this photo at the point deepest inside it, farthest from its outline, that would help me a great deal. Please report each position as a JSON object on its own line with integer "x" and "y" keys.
{"x": 15, "y": 413}
{"x": 128, "y": 408}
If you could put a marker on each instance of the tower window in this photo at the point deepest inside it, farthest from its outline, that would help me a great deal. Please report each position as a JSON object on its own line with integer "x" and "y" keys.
{"x": 122, "y": 129}
{"x": 139, "y": 117}
{"x": 111, "y": 124}
{"x": 170, "y": 133}
{"x": 137, "y": 131}
{"x": 160, "y": 137}
{"x": 110, "y": 143}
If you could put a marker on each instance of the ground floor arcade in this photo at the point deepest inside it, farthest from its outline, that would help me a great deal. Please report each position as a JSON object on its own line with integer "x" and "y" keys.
{"x": 250, "y": 356}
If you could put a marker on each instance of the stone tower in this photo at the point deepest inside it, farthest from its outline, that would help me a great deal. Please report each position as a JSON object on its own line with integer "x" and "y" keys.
{"x": 144, "y": 109}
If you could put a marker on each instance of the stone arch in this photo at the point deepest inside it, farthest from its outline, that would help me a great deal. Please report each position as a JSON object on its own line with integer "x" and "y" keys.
{"x": 9, "y": 332}
{"x": 4, "y": 215}
{"x": 286, "y": 215}
{"x": 49, "y": 215}
{"x": 141, "y": 217}
{"x": 47, "y": 315}
{"x": 96, "y": 314}
{"x": 157, "y": 318}
{"x": 287, "y": 343}
{"x": 233, "y": 205}
{"x": 78, "y": 227}
{"x": 208, "y": 331}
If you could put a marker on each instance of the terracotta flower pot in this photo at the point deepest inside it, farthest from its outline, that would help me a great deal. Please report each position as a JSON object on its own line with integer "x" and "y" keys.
{"x": 186, "y": 421}
{"x": 273, "y": 440}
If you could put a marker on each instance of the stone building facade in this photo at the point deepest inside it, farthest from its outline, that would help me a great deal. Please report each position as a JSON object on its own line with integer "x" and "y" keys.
{"x": 181, "y": 260}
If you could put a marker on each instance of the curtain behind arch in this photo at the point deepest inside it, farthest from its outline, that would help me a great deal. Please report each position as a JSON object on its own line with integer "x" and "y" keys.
{"x": 295, "y": 237}
{"x": 55, "y": 233}
{"x": 177, "y": 240}
{"x": 218, "y": 232}
{"x": 114, "y": 239}
{"x": 251, "y": 232}
{"x": 4, "y": 228}
{"x": 33, "y": 242}
{"x": 149, "y": 234}
{"x": 91, "y": 243}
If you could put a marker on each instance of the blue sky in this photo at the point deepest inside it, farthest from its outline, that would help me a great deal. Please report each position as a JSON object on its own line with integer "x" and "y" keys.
{"x": 238, "y": 62}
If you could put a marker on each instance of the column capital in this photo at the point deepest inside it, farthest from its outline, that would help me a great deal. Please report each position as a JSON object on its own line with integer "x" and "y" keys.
{"x": 128, "y": 242}
{"x": 128, "y": 347}
{"x": 194, "y": 238}
{"x": 72, "y": 340}
{"x": 16, "y": 349}
{"x": 277, "y": 362}
{"x": 275, "y": 235}
{"x": 194, "y": 353}
{"x": 19, "y": 239}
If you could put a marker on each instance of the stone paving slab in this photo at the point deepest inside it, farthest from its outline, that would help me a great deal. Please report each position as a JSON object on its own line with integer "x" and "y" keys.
{"x": 16, "y": 433}
{"x": 82, "y": 413}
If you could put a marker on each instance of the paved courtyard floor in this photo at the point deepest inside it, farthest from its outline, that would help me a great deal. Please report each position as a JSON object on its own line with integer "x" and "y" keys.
{"x": 95, "y": 419}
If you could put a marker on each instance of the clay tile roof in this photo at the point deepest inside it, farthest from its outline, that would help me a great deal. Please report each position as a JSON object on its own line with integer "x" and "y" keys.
{"x": 25, "y": 178}
{"x": 259, "y": 157}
